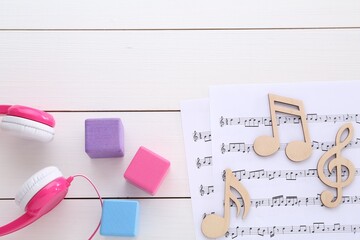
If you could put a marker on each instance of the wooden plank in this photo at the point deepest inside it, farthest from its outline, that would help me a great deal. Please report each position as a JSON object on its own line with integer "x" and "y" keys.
{"x": 155, "y": 70}
{"x": 177, "y": 14}
{"x": 77, "y": 219}
{"x": 160, "y": 132}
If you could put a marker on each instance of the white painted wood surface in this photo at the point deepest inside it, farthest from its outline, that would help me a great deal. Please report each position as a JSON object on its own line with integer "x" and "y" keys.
{"x": 77, "y": 219}
{"x": 79, "y": 58}
{"x": 155, "y": 70}
{"x": 160, "y": 132}
{"x": 177, "y": 14}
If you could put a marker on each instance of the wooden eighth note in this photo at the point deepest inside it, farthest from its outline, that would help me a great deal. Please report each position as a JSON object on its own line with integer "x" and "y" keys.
{"x": 214, "y": 226}
{"x": 336, "y": 164}
{"x": 268, "y": 145}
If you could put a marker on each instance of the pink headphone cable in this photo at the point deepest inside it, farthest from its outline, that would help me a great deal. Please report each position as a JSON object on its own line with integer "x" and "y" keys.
{"x": 45, "y": 200}
{"x": 97, "y": 192}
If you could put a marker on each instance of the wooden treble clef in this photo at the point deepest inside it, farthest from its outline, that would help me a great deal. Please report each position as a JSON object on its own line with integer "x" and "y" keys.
{"x": 335, "y": 163}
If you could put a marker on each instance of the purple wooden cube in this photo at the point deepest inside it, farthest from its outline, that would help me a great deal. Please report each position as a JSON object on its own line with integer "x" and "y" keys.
{"x": 104, "y": 137}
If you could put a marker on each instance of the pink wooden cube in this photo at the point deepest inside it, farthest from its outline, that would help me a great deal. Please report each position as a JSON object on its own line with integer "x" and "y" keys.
{"x": 147, "y": 170}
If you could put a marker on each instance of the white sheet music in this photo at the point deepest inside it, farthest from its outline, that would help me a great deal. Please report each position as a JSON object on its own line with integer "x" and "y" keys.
{"x": 285, "y": 194}
{"x": 196, "y": 128}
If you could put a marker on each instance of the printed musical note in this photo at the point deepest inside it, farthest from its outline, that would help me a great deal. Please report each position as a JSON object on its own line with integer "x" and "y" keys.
{"x": 242, "y": 147}
{"x": 316, "y": 227}
{"x": 214, "y": 226}
{"x": 292, "y": 201}
{"x": 268, "y": 145}
{"x": 206, "y": 161}
{"x": 287, "y": 174}
{"x": 336, "y": 164}
{"x": 236, "y": 147}
{"x": 206, "y": 136}
{"x": 206, "y": 190}
{"x": 283, "y": 119}
{"x": 252, "y": 122}
{"x": 196, "y": 116}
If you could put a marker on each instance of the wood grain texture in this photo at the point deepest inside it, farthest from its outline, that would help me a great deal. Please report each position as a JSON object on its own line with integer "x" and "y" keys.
{"x": 77, "y": 219}
{"x": 160, "y": 132}
{"x": 155, "y": 70}
{"x": 177, "y": 14}
{"x": 148, "y": 55}
{"x": 336, "y": 162}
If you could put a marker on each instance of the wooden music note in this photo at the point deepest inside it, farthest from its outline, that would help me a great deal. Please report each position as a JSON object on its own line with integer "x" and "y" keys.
{"x": 214, "y": 226}
{"x": 268, "y": 145}
{"x": 336, "y": 164}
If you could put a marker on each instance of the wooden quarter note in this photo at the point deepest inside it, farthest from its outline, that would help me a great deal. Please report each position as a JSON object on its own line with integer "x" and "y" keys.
{"x": 268, "y": 145}
{"x": 214, "y": 226}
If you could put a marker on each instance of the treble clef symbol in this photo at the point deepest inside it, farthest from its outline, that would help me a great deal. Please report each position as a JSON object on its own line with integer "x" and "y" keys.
{"x": 336, "y": 165}
{"x": 195, "y": 136}
{"x": 202, "y": 190}
{"x": 221, "y": 121}
{"x": 223, "y": 148}
{"x": 198, "y": 163}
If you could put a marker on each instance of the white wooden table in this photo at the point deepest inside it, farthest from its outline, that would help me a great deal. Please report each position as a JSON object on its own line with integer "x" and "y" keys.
{"x": 136, "y": 59}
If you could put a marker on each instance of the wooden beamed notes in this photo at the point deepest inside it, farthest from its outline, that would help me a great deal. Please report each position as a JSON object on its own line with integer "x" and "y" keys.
{"x": 268, "y": 145}
{"x": 214, "y": 226}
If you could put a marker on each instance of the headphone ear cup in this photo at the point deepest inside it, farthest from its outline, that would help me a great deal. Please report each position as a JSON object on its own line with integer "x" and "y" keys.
{"x": 28, "y": 129}
{"x": 34, "y": 184}
{"x": 38, "y": 196}
{"x": 29, "y": 113}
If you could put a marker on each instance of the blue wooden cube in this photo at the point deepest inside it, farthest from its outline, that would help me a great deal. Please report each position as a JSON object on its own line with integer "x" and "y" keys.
{"x": 120, "y": 218}
{"x": 104, "y": 137}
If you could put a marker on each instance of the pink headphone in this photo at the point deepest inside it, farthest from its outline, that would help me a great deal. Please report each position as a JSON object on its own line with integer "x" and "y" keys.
{"x": 28, "y": 122}
{"x": 39, "y": 195}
